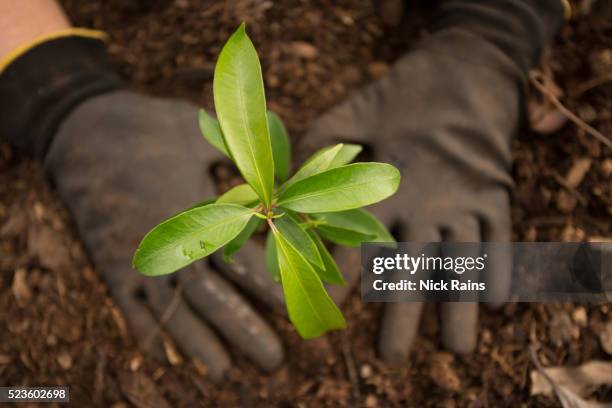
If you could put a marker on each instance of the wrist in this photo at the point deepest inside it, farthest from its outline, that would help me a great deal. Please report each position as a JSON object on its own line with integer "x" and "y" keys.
{"x": 44, "y": 80}
{"x": 24, "y": 21}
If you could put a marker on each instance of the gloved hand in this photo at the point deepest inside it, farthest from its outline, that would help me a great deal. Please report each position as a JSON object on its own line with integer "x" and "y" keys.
{"x": 445, "y": 115}
{"x": 123, "y": 162}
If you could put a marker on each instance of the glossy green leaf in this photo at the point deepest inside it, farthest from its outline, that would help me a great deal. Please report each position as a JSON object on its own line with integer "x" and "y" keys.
{"x": 347, "y": 154}
{"x": 295, "y": 234}
{"x": 189, "y": 236}
{"x": 235, "y": 244}
{"x": 281, "y": 146}
{"x": 271, "y": 257}
{"x": 241, "y": 194}
{"x": 343, "y": 188}
{"x": 310, "y": 308}
{"x": 240, "y": 104}
{"x": 317, "y": 163}
{"x": 352, "y": 227}
{"x": 211, "y": 131}
{"x": 344, "y": 237}
{"x": 330, "y": 272}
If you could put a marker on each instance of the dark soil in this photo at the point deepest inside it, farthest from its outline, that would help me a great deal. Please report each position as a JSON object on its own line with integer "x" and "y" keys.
{"x": 59, "y": 326}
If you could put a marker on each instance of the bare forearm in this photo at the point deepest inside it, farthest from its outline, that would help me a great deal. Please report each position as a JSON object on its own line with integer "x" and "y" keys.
{"x": 21, "y": 22}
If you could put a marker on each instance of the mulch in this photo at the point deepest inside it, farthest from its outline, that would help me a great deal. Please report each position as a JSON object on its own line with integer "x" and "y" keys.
{"x": 59, "y": 325}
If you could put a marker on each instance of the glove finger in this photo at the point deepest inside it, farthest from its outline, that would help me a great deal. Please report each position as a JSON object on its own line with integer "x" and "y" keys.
{"x": 401, "y": 319}
{"x": 498, "y": 276}
{"x": 140, "y": 320}
{"x": 248, "y": 271}
{"x": 191, "y": 334}
{"x": 219, "y": 303}
{"x": 460, "y": 319}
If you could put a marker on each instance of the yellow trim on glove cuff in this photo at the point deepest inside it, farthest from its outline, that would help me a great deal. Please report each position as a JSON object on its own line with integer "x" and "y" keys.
{"x": 70, "y": 32}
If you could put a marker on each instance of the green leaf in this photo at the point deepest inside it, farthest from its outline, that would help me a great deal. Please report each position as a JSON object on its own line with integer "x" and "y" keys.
{"x": 324, "y": 159}
{"x": 240, "y": 104}
{"x": 317, "y": 163}
{"x": 343, "y": 188}
{"x": 211, "y": 131}
{"x": 281, "y": 146}
{"x": 330, "y": 272}
{"x": 293, "y": 232}
{"x": 235, "y": 244}
{"x": 241, "y": 194}
{"x": 310, "y": 308}
{"x": 271, "y": 257}
{"x": 344, "y": 237}
{"x": 352, "y": 227}
{"x": 189, "y": 236}
{"x": 347, "y": 154}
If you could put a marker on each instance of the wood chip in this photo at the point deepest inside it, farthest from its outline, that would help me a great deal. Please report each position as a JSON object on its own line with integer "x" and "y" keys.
{"x": 172, "y": 354}
{"x": 576, "y": 173}
{"x": 135, "y": 362}
{"x": 304, "y": 50}
{"x": 365, "y": 371}
{"x": 580, "y": 316}
{"x": 561, "y": 329}
{"x": 442, "y": 372}
{"x": 378, "y": 69}
{"x": 200, "y": 367}
{"x": 20, "y": 288}
{"x": 65, "y": 361}
{"x": 544, "y": 120}
{"x": 606, "y": 167}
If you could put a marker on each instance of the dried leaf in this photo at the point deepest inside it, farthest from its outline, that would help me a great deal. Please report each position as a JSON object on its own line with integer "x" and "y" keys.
{"x": 571, "y": 384}
{"x": 141, "y": 390}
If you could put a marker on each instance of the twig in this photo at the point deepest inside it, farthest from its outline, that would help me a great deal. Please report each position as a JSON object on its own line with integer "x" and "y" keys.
{"x": 503, "y": 364}
{"x": 533, "y": 77}
{"x": 590, "y": 84}
{"x": 165, "y": 317}
{"x": 533, "y": 356}
{"x": 171, "y": 308}
{"x": 351, "y": 369}
{"x": 569, "y": 188}
{"x": 99, "y": 377}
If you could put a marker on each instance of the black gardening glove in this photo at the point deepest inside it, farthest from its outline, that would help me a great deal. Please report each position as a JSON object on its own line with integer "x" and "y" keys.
{"x": 445, "y": 116}
{"x": 122, "y": 163}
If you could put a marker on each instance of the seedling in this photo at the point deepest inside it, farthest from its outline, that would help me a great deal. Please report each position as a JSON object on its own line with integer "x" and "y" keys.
{"x": 321, "y": 200}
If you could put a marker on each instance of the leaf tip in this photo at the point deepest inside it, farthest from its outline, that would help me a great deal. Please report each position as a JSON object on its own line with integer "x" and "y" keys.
{"x": 241, "y": 30}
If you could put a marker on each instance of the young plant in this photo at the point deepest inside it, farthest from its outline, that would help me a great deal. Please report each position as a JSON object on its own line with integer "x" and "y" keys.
{"x": 321, "y": 200}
